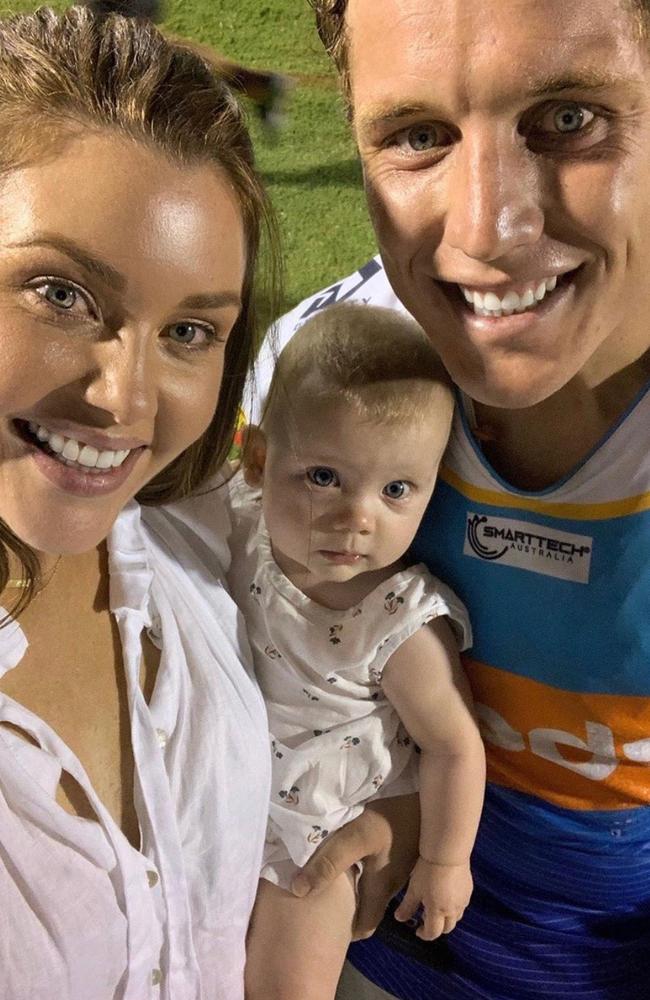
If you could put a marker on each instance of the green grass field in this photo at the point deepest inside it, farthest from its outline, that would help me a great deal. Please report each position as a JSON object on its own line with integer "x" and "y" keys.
{"x": 311, "y": 169}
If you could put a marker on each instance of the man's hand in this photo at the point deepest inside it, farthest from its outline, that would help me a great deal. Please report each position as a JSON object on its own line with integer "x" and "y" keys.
{"x": 385, "y": 838}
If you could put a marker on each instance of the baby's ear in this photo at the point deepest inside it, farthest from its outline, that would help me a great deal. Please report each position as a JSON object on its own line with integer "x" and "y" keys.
{"x": 254, "y": 454}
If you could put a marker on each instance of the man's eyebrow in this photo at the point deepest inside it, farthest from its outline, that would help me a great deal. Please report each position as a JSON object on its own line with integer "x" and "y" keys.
{"x": 83, "y": 257}
{"x": 581, "y": 80}
{"x": 388, "y": 114}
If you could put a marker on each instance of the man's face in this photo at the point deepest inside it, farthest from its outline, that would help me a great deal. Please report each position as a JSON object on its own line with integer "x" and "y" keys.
{"x": 506, "y": 151}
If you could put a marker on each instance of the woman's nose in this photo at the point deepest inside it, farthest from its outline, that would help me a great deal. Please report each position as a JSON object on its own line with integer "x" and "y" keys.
{"x": 125, "y": 378}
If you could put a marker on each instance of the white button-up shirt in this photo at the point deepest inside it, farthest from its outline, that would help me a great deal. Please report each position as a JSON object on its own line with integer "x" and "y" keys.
{"x": 83, "y": 915}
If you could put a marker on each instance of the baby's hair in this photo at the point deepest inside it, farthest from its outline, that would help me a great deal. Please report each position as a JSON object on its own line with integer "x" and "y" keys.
{"x": 377, "y": 360}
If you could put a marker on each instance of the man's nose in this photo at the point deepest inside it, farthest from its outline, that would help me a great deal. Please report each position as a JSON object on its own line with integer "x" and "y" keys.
{"x": 493, "y": 195}
{"x": 124, "y": 380}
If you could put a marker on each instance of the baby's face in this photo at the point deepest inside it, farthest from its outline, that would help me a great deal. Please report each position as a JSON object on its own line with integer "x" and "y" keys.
{"x": 344, "y": 496}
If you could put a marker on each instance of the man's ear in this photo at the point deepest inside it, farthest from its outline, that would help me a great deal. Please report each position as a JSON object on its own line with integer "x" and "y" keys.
{"x": 254, "y": 455}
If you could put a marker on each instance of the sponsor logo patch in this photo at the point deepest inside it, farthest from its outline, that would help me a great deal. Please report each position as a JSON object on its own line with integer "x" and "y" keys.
{"x": 533, "y": 547}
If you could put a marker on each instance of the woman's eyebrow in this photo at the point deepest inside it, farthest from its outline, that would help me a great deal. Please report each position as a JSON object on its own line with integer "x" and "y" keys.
{"x": 211, "y": 300}
{"x": 114, "y": 278}
{"x": 83, "y": 257}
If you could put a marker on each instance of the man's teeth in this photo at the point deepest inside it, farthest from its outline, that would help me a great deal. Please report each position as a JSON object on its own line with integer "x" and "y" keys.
{"x": 76, "y": 453}
{"x": 489, "y": 304}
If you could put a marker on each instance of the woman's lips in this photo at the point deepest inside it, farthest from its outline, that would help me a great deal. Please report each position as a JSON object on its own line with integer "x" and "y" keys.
{"x": 76, "y": 481}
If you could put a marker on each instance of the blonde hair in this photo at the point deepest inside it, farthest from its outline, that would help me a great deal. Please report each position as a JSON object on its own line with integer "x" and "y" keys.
{"x": 377, "y": 361}
{"x": 63, "y": 73}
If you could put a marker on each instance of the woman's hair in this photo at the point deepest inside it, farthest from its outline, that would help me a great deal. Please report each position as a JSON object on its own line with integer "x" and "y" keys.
{"x": 60, "y": 74}
{"x": 377, "y": 361}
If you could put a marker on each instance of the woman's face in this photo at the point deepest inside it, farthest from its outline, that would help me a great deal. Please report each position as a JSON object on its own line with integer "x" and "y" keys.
{"x": 120, "y": 280}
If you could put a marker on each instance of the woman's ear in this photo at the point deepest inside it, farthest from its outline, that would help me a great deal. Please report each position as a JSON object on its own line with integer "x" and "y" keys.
{"x": 254, "y": 455}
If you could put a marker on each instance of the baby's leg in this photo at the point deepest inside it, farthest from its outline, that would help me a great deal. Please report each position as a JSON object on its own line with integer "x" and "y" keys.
{"x": 296, "y": 947}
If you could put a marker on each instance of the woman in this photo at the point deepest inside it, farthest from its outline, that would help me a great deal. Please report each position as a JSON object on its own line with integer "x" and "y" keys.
{"x": 133, "y": 756}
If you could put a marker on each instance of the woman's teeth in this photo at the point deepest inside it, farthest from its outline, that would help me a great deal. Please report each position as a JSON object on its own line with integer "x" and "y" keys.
{"x": 489, "y": 304}
{"x": 76, "y": 453}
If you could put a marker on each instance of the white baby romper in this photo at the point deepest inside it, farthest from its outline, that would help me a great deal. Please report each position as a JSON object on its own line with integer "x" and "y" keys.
{"x": 335, "y": 738}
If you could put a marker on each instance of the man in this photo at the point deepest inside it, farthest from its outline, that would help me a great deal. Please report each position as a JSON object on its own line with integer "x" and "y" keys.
{"x": 506, "y": 154}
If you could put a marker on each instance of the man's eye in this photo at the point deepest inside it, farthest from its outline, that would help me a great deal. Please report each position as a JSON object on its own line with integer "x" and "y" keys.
{"x": 397, "y": 490}
{"x": 191, "y": 334}
{"x": 421, "y": 138}
{"x": 567, "y": 119}
{"x": 322, "y": 476}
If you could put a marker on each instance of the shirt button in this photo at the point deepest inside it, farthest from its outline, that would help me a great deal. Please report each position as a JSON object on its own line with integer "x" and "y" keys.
{"x": 155, "y": 629}
{"x": 156, "y": 977}
{"x": 162, "y": 738}
{"x": 152, "y": 879}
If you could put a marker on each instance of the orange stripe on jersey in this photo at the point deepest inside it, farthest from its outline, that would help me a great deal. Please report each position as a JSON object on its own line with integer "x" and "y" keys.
{"x": 579, "y": 751}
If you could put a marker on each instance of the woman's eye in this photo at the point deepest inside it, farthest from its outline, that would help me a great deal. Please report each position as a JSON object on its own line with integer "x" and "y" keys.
{"x": 565, "y": 120}
{"x": 61, "y": 295}
{"x": 397, "y": 490}
{"x": 191, "y": 334}
{"x": 322, "y": 476}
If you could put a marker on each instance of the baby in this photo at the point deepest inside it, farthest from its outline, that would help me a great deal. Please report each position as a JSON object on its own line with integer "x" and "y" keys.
{"x": 356, "y": 651}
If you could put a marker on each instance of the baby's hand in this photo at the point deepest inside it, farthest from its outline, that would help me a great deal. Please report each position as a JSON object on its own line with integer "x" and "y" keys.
{"x": 443, "y": 891}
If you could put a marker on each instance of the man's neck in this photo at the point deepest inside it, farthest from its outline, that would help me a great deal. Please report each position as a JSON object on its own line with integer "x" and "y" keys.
{"x": 535, "y": 447}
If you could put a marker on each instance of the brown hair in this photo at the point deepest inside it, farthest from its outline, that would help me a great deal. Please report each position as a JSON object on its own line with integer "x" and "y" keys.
{"x": 330, "y": 22}
{"x": 60, "y": 73}
{"x": 376, "y": 360}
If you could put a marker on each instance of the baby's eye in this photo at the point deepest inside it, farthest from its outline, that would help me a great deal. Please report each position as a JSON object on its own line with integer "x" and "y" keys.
{"x": 397, "y": 490}
{"x": 321, "y": 476}
{"x": 191, "y": 334}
